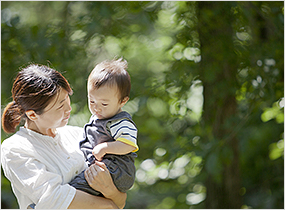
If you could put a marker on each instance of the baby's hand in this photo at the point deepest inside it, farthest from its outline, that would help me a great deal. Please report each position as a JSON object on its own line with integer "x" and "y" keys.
{"x": 99, "y": 151}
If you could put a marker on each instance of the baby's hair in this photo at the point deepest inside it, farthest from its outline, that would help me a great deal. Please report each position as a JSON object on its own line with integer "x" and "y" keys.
{"x": 33, "y": 89}
{"x": 110, "y": 73}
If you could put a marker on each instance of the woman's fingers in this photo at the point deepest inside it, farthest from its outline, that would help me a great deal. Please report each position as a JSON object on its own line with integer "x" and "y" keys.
{"x": 93, "y": 170}
{"x": 97, "y": 175}
{"x": 99, "y": 178}
{"x": 90, "y": 175}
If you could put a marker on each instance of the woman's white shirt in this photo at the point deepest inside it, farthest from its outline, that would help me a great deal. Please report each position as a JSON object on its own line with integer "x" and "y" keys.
{"x": 39, "y": 167}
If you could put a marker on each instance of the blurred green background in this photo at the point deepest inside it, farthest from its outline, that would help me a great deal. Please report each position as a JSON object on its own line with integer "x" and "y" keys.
{"x": 207, "y": 90}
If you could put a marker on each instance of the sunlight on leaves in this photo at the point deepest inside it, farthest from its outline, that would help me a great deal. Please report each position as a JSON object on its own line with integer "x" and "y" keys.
{"x": 157, "y": 107}
{"x": 273, "y": 112}
{"x": 194, "y": 198}
{"x": 276, "y": 150}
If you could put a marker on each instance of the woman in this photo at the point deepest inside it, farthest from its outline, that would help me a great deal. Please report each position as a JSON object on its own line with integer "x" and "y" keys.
{"x": 43, "y": 156}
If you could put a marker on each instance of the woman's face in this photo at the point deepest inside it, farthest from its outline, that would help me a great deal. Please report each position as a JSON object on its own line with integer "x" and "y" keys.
{"x": 55, "y": 115}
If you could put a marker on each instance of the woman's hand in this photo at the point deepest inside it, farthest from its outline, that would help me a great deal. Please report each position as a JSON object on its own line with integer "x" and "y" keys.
{"x": 99, "y": 178}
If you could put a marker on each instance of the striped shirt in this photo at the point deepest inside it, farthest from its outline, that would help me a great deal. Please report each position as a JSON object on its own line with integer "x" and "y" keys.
{"x": 119, "y": 128}
{"x": 125, "y": 131}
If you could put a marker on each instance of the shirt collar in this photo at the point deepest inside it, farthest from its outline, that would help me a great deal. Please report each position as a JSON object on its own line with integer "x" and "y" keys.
{"x": 40, "y": 136}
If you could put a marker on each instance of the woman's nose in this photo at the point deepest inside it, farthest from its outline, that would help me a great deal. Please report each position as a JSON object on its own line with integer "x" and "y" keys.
{"x": 68, "y": 107}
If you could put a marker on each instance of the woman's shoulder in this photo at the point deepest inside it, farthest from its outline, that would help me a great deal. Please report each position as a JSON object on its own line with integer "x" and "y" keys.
{"x": 18, "y": 141}
{"x": 14, "y": 139}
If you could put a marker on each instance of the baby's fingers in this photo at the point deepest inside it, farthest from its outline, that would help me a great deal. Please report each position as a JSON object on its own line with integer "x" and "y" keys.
{"x": 101, "y": 165}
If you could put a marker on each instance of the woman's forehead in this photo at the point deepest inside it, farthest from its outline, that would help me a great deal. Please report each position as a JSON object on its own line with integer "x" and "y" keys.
{"x": 57, "y": 99}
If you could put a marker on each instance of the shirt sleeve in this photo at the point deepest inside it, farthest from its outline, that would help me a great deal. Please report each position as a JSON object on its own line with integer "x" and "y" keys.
{"x": 125, "y": 131}
{"x": 31, "y": 177}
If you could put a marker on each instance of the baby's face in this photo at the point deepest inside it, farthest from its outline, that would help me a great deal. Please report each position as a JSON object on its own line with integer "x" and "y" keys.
{"x": 104, "y": 102}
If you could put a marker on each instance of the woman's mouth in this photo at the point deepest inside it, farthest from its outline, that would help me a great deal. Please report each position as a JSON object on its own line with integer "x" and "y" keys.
{"x": 66, "y": 118}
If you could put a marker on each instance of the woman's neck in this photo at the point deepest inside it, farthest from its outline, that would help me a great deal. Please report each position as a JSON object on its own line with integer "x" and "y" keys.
{"x": 47, "y": 131}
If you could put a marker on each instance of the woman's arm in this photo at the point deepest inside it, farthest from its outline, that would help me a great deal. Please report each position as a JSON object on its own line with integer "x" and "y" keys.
{"x": 99, "y": 178}
{"x": 83, "y": 200}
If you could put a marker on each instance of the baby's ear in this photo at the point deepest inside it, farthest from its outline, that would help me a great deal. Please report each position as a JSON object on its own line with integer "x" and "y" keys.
{"x": 31, "y": 115}
{"x": 124, "y": 101}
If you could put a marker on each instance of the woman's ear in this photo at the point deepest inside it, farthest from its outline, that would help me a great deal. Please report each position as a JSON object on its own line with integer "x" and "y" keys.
{"x": 31, "y": 115}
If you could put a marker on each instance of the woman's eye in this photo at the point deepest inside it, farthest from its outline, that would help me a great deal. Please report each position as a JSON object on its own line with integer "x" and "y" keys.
{"x": 60, "y": 107}
{"x": 91, "y": 102}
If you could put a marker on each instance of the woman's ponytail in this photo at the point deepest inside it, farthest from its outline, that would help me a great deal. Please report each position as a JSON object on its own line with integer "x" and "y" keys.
{"x": 11, "y": 117}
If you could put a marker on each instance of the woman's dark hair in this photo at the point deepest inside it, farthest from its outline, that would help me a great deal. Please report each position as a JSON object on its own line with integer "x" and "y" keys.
{"x": 33, "y": 89}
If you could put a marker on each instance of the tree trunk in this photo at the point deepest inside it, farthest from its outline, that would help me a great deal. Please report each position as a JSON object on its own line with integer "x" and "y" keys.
{"x": 218, "y": 73}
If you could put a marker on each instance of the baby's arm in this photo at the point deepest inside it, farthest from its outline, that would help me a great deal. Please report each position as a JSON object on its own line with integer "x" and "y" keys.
{"x": 124, "y": 133}
{"x": 115, "y": 147}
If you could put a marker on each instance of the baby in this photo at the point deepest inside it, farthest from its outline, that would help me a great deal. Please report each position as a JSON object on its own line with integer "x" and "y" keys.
{"x": 111, "y": 135}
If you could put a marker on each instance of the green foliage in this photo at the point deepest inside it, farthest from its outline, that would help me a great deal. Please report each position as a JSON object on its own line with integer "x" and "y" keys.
{"x": 172, "y": 95}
